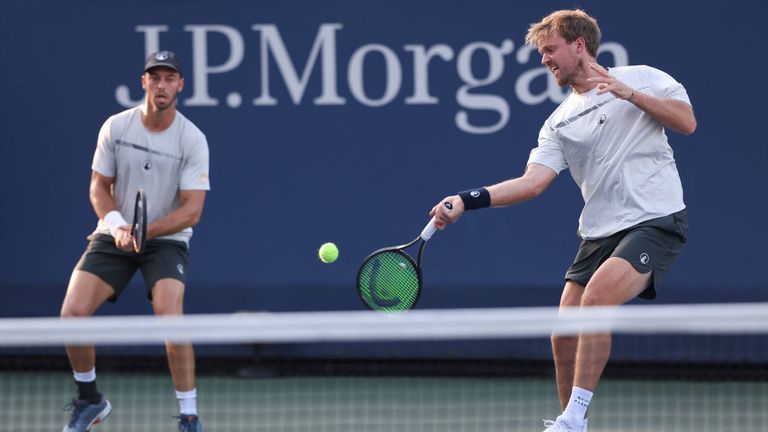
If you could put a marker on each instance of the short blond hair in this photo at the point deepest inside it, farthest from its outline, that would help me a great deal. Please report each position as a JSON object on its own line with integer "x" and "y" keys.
{"x": 570, "y": 24}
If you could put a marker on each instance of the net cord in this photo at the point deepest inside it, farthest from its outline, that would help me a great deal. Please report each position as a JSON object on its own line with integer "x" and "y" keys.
{"x": 442, "y": 324}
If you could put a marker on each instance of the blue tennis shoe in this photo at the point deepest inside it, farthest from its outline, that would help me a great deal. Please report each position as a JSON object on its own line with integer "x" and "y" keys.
{"x": 86, "y": 415}
{"x": 189, "y": 423}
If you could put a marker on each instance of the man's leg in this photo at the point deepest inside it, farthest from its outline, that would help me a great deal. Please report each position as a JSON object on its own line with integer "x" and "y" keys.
{"x": 614, "y": 283}
{"x": 564, "y": 347}
{"x": 85, "y": 293}
{"x": 168, "y": 299}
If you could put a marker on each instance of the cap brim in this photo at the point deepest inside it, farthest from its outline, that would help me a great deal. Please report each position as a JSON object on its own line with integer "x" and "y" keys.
{"x": 162, "y": 64}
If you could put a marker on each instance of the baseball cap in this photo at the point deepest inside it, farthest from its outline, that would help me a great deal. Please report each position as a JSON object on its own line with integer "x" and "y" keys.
{"x": 163, "y": 58}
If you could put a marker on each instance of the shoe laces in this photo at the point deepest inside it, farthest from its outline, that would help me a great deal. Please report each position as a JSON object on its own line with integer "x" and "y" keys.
{"x": 186, "y": 418}
{"x": 76, "y": 409}
{"x": 551, "y": 423}
{"x": 186, "y": 421}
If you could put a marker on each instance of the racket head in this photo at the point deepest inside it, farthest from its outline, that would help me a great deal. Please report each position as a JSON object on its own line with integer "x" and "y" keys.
{"x": 389, "y": 280}
{"x": 139, "y": 227}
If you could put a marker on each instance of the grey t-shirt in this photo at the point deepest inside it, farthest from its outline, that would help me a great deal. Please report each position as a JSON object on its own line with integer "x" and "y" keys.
{"x": 161, "y": 163}
{"x": 617, "y": 153}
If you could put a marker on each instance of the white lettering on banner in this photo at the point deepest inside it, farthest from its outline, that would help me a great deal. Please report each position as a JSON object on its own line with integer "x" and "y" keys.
{"x": 421, "y": 58}
{"x": 355, "y": 75}
{"x": 201, "y": 69}
{"x": 476, "y": 101}
{"x": 469, "y": 95}
{"x": 151, "y": 45}
{"x": 271, "y": 41}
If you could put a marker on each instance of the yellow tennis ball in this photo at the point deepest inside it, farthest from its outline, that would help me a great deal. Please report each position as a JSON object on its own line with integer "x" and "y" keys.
{"x": 328, "y": 253}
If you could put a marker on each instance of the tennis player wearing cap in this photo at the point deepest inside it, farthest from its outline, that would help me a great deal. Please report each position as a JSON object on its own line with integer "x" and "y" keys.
{"x": 155, "y": 148}
{"x": 610, "y": 133}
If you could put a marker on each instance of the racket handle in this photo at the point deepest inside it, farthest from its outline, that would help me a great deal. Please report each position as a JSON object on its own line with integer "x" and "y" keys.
{"x": 430, "y": 229}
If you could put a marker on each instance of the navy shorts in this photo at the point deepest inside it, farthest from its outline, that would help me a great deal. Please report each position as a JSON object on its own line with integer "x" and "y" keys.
{"x": 159, "y": 259}
{"x": 652, "y": 245}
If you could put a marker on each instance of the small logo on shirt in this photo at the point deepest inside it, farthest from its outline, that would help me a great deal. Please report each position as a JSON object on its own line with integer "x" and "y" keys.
{"x": 644, "y": 258}
{"x": 601, "y": 120}
{"x": 180, "y": 268}
{"x": 147, "y": 165}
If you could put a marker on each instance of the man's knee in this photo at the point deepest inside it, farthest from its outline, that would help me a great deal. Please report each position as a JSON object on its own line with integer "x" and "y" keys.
{"x": 167, "y": 306}
{"x": 85, "y": 293}
{"x": 598, "y": 294}
{"x": 571, "y": 296}
{"x": 74, "y": 311}
{"x": 168, "y": 297}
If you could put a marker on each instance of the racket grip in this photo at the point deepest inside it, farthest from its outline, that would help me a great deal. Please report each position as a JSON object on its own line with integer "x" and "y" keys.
{"x": 430, "y": 229}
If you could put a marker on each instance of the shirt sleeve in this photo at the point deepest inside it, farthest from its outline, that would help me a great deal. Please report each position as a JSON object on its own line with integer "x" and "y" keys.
{"x": 194, "y": 174}
{"x": 104, "y": 161}
{"x": 549, "y": 152}
{"x": 665, "y": 86}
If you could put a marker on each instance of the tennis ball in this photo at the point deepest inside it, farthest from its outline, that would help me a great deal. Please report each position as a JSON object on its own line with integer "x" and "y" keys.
{"x": 328, "y": 253}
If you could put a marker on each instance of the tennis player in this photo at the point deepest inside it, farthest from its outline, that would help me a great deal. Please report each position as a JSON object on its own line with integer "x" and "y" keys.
{"x": 155, "y": 148}
{"x": 610, "y": 133}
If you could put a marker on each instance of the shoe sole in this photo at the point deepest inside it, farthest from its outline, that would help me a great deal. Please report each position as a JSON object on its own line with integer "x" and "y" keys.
{"x": 101, "y": 417}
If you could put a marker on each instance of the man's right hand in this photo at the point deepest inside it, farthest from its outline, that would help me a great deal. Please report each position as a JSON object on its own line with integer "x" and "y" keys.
{"x": 124, "y": 238}
{"x": 443, "y": 216}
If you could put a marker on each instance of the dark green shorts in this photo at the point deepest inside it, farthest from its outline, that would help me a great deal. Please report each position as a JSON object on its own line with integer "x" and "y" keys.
{"x": 159, "y": 259}
{"x": 652, "y": 245}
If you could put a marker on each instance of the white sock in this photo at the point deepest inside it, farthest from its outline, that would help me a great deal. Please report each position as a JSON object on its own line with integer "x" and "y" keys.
{"x": 85, "y": 376}
{"x": 578, "y": 404}
{"x": 187, "y": 401}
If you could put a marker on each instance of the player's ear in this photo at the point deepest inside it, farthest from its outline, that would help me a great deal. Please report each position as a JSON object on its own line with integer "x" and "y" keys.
{"x": 144, "y": 81}
{"x": 581, "y": 43}
{"x": 181, "y": 84}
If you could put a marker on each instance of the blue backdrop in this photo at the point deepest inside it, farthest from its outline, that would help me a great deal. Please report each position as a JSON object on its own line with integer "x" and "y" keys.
{"x": 346, "y": 121}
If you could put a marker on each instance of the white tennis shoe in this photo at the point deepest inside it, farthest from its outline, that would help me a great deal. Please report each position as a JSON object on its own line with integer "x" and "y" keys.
{"x": 564, "y": 424}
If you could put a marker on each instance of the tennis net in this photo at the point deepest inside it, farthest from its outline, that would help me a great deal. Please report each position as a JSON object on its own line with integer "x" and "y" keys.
{"x": 673, "y": 368}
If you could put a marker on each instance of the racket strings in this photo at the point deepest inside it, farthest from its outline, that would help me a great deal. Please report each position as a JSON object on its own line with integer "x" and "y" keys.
{"x": 389, "y": 281}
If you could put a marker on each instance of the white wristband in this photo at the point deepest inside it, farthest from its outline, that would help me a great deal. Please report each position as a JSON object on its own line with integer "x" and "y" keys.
{"x": 114, "y": 221}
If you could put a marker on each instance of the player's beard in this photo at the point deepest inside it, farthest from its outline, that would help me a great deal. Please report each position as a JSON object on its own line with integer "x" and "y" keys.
{"x": 565, "y": 77}
{"x": 170, "y": 102}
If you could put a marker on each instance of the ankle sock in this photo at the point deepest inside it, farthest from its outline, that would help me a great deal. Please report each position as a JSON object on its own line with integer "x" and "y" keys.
{"x": 187, "y": 401}
{"x": 578, "y": 404}
{"x": 86, "y": 386}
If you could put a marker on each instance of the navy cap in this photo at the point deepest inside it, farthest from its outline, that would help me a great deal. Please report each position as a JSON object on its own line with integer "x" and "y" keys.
{"x": 163, "y": 58}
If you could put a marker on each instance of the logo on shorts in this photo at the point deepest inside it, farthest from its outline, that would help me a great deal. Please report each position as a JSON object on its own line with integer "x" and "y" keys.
{"x": 180, "y": 268}
{"x": 644, "y": 258}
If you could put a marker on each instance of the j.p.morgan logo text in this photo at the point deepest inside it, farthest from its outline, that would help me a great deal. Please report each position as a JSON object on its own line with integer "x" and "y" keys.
{"x": 423, "y": 63}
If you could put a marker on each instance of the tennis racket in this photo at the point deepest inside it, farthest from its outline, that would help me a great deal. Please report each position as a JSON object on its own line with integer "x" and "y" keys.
{"x": 389, "y": 280}
{"x": 139, "y": 227}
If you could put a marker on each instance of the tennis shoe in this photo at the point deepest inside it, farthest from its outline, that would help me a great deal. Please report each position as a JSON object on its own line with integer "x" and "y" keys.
{"x": 86, "y": 415}
{"x": 189, "y": 423}
{"x": 563, "y": 424}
